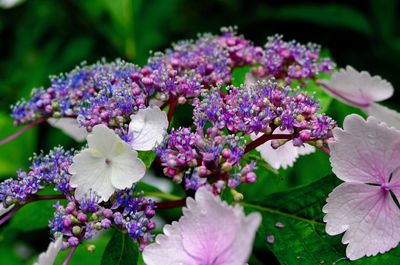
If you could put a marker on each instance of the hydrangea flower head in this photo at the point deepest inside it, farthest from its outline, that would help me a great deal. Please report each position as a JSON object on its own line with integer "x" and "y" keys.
{"x": 366, "y": 155}
{"x": 107, "y": 165}
{"x": 209, "y": 232}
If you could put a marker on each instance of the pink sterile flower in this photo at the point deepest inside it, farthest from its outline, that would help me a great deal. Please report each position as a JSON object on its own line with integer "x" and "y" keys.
{"x": 209, "y": 232}
{"x": 366, "y": 155}
{"x": 360, "y": 89}
{"x": 285, "y": 155}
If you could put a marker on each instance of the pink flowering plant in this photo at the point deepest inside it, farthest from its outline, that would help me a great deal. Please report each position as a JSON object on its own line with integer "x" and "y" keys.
{"x": 181, "y": 159}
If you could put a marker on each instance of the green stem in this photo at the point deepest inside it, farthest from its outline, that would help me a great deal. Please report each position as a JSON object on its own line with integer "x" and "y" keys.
{"x": 277, "y": 212}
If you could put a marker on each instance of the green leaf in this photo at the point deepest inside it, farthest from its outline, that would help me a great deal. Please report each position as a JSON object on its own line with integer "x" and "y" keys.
{"x": 33, "y": 216}
{"x": 320, "y": 95}
{"x": 302, "y": 239}
{"x": 15, "y": 154}
{"x": 147, "y": 157}
{"x": 330, "y": 15}
{"x": 120, "y": 250}
{"x": 239, "y": 75}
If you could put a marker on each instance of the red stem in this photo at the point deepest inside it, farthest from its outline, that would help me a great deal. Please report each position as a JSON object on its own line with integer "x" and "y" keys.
{"x": 171, "y": 204}
{"x": 172, "y": 106}
{"x": 32, "y": 199}
{"x": 71, "y": 252}
{"x": 164, "y": 105}
{"x": 18, "y": 133}
{"x": 264, "y": 138}
{"x": 325, "y": 150}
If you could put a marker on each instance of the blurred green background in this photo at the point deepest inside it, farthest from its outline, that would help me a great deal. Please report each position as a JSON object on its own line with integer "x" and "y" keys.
{"x": 39, "y": 38}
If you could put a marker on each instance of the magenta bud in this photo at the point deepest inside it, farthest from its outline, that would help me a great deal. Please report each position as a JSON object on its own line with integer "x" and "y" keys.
{"x": 73, "y": 241}
{"x": 107, "y": 213}
{"x": 81, "y": 217}
{"x": 66, "y": 222}
{"x": 149, "y": 212}
{"x": 251, "y": 177}
{"x": 151, "y": 225}
{"x": 226, "y": 153}
{"x": 105, "y": 223}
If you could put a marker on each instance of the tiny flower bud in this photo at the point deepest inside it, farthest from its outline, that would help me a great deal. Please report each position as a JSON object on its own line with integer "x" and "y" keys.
{"x": 91, "y": 248}
{"x": 76, "y": 230}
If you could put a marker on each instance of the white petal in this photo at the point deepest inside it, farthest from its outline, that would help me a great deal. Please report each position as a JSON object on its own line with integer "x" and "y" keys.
{"x": 103, "y": 141}
{"x": 48, "y": 257}
{"x": 5, "y": 210}
{"x": 285, "y": 155}
{"x": 384, "y": 114}
{"x": 357, "y": 88}
{"x": 70, "y": 127}
{"x": 90, "y": 174}
{"x": 168, "y": 248}
{"x": 127, "y": 168}
{"x": 364, "y": 151}
{"x": 369, "y": 216}
{"x": 147, "y": 128}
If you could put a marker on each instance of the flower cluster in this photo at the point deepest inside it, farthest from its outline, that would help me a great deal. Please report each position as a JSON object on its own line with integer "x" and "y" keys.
{"x": 108, "y": 93}
{"x": 201, "y": 159}
{"x": 262, "y": 107}
{"x": 100, "y": 93}
{"x": 50, "y": 169}
{"x": 81, "y": 220}
{"x": 290, "y": 61}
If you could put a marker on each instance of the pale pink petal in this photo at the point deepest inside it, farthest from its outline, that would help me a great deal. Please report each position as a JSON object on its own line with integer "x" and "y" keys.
{"x": 168, "y": 248}
{"x": 364, "y": 151}
{"x": 239, "y": 252}
{"x": 209, "y": 232}
{"x": 70, "y": 127}
{"x": 147, "y": 128}
{"x": 209, "y": 226}
{"x": 357, "y": 88}
{"x": 285, "y": 155}
{"x": 368, "y": 216}
{"x": 49, "y": 257}
{"x": 384, "y": 114}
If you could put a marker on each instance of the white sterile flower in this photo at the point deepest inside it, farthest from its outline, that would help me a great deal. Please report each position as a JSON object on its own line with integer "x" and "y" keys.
{"x": 3, "y": 210}
{"x": 209, "y": 232}
{"x": 48, "y": 257}
{"x": 147, "y": 128}
{"x": 107, "y": 165}
{"x": 70, "y": 127}
{"x": 10, "y": 3}
{"x": 366, "y": 155}
{"x": 358, "y": 89}
{"x": 285, "y": 155}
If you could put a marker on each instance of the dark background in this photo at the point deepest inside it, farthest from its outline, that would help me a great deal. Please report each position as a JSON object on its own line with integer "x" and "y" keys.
{"x": 39, "y": 38}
